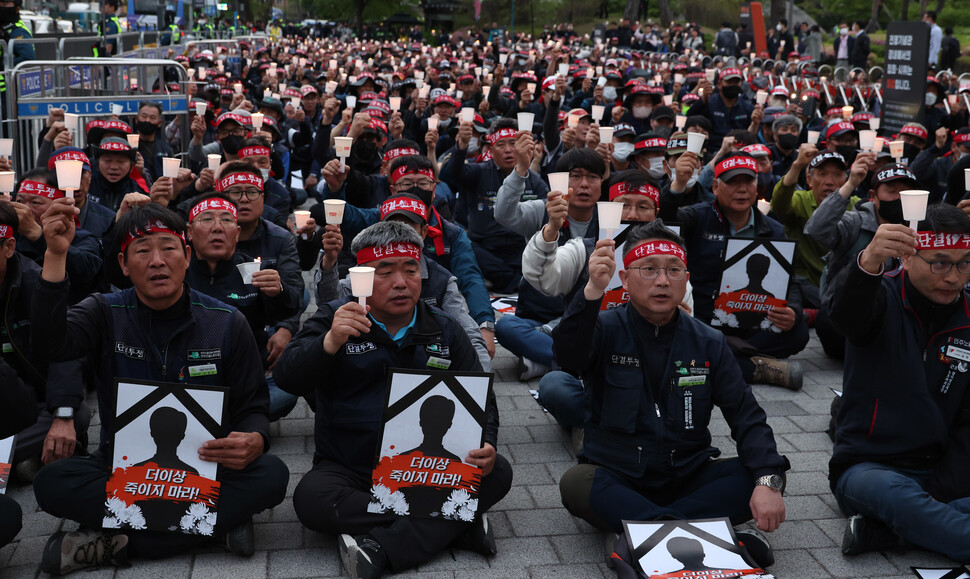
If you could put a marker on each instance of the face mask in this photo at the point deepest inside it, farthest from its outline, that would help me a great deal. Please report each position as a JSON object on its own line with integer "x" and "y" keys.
{"x": 444, "y": 123}
{"x": 891, "y": 211}
{"x": 146, "y": 128}
{"x": 232, "y": 143}
{"x": 690, "y": 181}
{"x": 609, "y": 93}
{"x": 848, "y": 152}
{"x": 663, "y": 132}
{"x": 472, "y": 144}
{"x": 656, "y": 169}
{"x": 910, "y": 152}
{"x": 641, "y": 112}
{"x": 930, "y": 99}
{"x": 731, "y": 91}
{"x": 787, "y": 141}
{"x": 420, "y": 194}
{"x": 365, "y": 151}
{"x": 621, "y": 151}
{"x": 265, "y": 173}
{"x": 843, "y": 31}
{"x": 778, "y": 27}
{"x": 8, "y": 16}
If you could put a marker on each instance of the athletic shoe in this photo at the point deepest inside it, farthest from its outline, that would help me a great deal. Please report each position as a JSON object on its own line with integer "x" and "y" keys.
{"x": 241, "y": 540}
{"x": 478, "y": 537}
{"x": 66, "y": 552}
{"x": 863, "y": 534}
{"x": 362, "y": 556}
{"x": 756, "y": 544}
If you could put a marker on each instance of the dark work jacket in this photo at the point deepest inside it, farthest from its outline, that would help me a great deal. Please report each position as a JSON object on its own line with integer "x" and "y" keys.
{"x": 351, "y": 386}
{"x": 96, "y": 219}
{"x": 476, "y": 185}
{"x": 114, "y": 330}
{"x": 84, "y": 260}
{"x": 725, "y": 119}
{"x": 902, "y": 388}
{"x": 272, "y": 242}
{"x": 705, "y": 231}
{"x": 226, "y": 285}
{"x": 111, "y": 194}
{"x": 659, "y": 440}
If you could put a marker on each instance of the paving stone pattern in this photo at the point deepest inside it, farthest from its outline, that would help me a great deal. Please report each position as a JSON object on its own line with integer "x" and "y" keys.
{"x": 536, "y": 537}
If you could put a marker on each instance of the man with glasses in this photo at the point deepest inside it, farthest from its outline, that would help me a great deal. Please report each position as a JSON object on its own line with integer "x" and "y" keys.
{"x": 653, "y": 376}
{"x": 904, "y": 408}
{"x": 271, "y": 243}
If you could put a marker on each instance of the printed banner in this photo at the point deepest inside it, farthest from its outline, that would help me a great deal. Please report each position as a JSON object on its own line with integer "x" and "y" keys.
{"x": 701, "y": 549}
{"x": 158, "y": 482}
{"x": 755, "y": 279}
{"x": 431, "y": 421}
{"x": 505, "y": 304}
{"x": 6, "y": 461}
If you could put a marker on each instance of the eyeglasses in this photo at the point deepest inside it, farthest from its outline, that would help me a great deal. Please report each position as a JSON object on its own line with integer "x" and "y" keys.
{"x": 208, "y": 222}
{"x": 237, "y": 194}
{"x": 238, "y": 131}
{"x": 673, "y": 273}
{"x": 589, "y": 177}
{"x": 405, "y": 184}
{"x": 944, "y": 267}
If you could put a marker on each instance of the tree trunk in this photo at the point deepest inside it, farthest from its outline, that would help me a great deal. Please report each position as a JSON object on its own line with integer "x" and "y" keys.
{"x": 873, "y": 24}
{"x": 359, "y": 14}
{"x": 905, "y": 10}
{"x": 779, "y": 10}
{"x": 630, "y": 12}
{"x": 939, "y": 6}
{"x": 922, "y": 8}
{"x": 666, "y": 14}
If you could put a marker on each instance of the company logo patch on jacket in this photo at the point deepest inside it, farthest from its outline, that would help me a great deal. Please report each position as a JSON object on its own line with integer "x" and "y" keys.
{"x": 438, "y": 350}
{"x": 129, "y": 351}
{"x": 213, "y": 354}
{"x": 360, "y": 348}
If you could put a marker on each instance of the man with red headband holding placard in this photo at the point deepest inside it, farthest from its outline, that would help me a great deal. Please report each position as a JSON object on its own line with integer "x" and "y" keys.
{"x": 899, "y": 467}
{"x": 149, "y": 332}
{"x": 341, "y": 357}
{"x": 706, "y": 228}
{"x": 653, "y": 376}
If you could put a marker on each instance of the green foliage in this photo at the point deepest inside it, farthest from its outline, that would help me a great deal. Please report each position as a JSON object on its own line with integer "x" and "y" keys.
{"x": 343, "y": 10}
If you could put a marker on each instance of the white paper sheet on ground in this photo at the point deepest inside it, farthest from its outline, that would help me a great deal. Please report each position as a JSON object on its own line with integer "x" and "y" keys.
{"x": 296, "y": 179}
{"x": 940, "y": 573}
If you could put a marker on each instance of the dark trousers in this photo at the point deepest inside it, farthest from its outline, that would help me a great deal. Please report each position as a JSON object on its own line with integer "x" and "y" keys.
{"x": 333, "y": 499}
{"x": 74, "y": 488}
{"x": 777, "y": 345}
{"x": 604, "y": 499}
{"x": 30, "y": 441}
{"x": 11, "y": 519}
{"x": 832, "y": 341}
{"x": 502, "y": 266}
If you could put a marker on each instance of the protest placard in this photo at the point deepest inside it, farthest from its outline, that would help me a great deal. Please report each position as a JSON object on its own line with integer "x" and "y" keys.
{"x": 755, "y": 279}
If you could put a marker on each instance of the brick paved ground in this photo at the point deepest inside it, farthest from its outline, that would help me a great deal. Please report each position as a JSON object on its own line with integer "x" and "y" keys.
{"x": 536, "y": 536}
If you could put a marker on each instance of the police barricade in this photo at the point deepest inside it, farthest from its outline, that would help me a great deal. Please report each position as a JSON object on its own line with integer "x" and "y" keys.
{"x": 85, "y": 87}
{"x": 77, "y": 46}
{"x": 44, "y": 49}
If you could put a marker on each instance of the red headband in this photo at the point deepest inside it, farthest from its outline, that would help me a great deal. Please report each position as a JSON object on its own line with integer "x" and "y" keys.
{"x": 40, "y": 189}
{"x": 654, "y": 248}
{"x": 374, "y": 253}
{"x": 154, "y": 226}
{"x": 214, "y": 204}
{"x": 654, "y": 143}
{"x": 646, "y": 189}
{"x": 938, "y": 240}
{"x": 230, "y": 180}
{"x": 960, "y": 138}
{"x": 915, "y": 131}
{"x": 254, "y": 151}
{"x": 398, "y": 203}
{"x": 403, "y": 170}
{"x": 400, "y": 152}
{"x": 502, "y": 134}
{"x": 6, "y": 232}
{"x": 732, "y": 163}
{"x": 111, "y": 146}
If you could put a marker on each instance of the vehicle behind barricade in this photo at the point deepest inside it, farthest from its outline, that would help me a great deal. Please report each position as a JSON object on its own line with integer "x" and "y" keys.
{"x": 88, "y": 87}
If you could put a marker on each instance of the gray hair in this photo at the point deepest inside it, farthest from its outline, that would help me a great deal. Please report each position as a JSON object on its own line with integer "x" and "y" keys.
{"x": 655, "y": 229}
{"x": 787, "y": 121}
{"x": 385, "y": 233}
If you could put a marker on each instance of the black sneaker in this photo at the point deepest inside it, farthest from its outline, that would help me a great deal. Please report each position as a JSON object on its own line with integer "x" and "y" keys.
{"x": 756, "y": 544}
{"x": 66, "y": 552}
{"x": 478, "y": 537}
{"x": 362, "y": 556}
{"x": 863, "y": 535}
{"x": 241, "y": 540}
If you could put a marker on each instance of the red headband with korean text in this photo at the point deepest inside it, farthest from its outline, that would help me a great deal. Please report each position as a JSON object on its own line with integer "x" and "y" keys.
{"x": 398, "y": 203}
{"x": 732, "y": 163}
{"x": 501, "y": 134}
{"x": 40, "y": 189}
{"x": 254, "y": 151}
{"x": 236, "y": 178}
{"x": 376, "y": 252}
{"x": 655, "y": 247}
{"x": 6, "y": 232}
{"x": 939, "y": 240}
{"x": 400, "y": 152}
{"x": 404, "y": 170}
{"x": 154, "y": 226}
{"x": 213, "y": 204}
{"x": 646, "y": 189}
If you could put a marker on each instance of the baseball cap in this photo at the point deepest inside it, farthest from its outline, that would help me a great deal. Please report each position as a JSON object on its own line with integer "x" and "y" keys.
{"x": 410, "y": 206}
{"x": 893, "y": 172}
{"x": 735, "y": 165}
{"x": 827, "y": 156}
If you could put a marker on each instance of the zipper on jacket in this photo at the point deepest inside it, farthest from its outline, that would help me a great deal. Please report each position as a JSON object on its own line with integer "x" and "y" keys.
{"x": 639, "y": 454}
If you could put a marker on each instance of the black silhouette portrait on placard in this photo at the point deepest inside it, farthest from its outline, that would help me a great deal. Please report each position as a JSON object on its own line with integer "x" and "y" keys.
{"x": 436, "y": 416}
{"x": 168, "y": 429}
{"x": 757, "y": 267}
{"x": 690, "y": 553}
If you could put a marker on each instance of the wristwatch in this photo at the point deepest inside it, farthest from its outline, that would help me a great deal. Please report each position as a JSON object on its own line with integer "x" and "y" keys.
{"x": 64, "y": 412}
{"x": 773, "y": 481}
{"x": 490, "y": 326}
